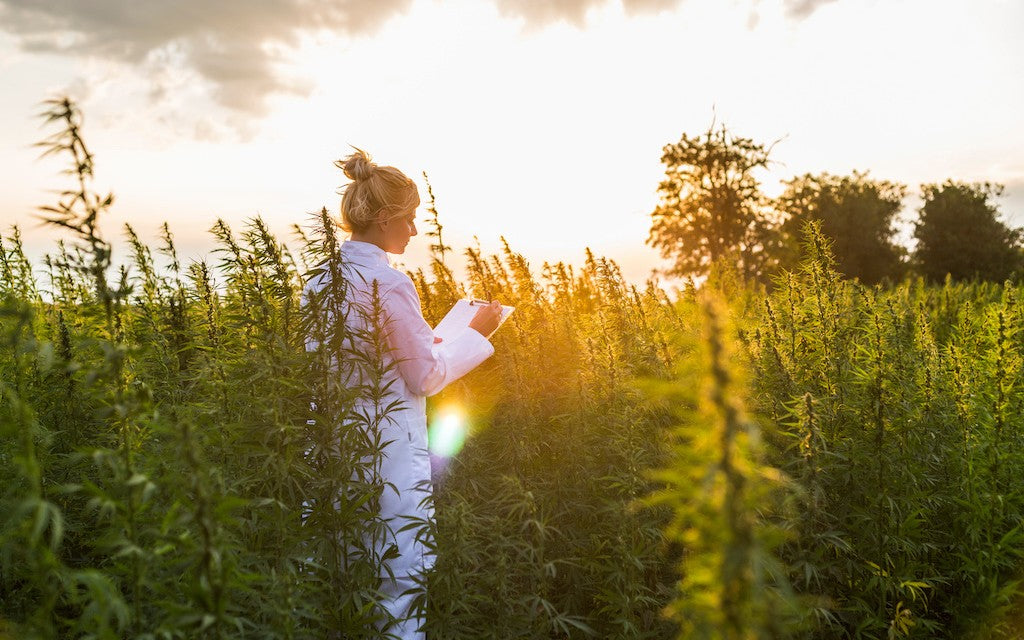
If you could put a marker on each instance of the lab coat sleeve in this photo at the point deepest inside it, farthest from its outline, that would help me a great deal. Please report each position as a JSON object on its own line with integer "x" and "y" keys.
{"x": 426, "y": 369}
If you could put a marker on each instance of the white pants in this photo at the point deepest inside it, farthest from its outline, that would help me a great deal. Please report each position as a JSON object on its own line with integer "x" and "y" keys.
{"x": 407, "y": 623}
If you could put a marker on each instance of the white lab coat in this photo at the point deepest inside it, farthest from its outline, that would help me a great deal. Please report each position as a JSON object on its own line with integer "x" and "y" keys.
{"x": 424, "y": 369}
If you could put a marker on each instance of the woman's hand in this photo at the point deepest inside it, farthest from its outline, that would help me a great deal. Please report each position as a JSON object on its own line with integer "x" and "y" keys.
{"x": 487, "y": 319}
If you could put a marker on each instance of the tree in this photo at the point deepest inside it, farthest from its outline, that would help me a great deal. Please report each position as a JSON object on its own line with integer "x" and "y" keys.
{"x": 856, "y": 213}
{"x": 711, "y": 205}
{"x": 959, "y": 233}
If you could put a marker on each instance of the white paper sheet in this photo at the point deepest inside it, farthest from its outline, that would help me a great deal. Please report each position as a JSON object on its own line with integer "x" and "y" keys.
{"x": 457, "y": 319}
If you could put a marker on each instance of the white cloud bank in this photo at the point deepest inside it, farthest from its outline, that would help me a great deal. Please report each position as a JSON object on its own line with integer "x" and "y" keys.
{"x": 239, "y": 49}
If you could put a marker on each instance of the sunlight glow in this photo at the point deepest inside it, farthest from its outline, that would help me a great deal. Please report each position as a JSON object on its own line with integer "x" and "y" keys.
{"x": 447, "y": 432}
{"x": 548, "y": 135}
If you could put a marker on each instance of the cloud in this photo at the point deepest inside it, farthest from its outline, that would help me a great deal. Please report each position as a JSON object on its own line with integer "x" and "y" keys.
{"x": 233, "y": 45}
{"x": 800, "y": 9}
{"x": 236, "y": 51}
{"x": 540, "y": 12}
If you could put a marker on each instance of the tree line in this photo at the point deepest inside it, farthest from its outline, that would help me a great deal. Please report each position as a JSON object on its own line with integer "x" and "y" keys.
{"x": 712, "y": 208}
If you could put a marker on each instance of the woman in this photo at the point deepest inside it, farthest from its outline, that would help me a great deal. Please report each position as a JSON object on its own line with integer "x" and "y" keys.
{"x": 378, "y": 208}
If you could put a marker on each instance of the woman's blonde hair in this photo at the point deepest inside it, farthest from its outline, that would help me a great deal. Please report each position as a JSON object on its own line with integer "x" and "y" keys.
{"x": 377, "y": 193}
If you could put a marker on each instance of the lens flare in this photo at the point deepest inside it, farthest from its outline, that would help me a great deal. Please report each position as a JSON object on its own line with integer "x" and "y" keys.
{"x": 447, "y": 433}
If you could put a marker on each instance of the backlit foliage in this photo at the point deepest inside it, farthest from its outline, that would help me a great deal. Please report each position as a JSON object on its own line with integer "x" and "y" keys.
{"x": 827, "y": 460}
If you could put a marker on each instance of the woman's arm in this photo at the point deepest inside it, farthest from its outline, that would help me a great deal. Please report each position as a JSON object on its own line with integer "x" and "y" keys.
{"x": 427, "y": 370}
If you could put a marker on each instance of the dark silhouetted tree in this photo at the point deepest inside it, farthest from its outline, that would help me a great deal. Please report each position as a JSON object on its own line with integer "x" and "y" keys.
{"x": 856, "y": 213}
{"x": 711, "y": 205}
{"x": 959, "y": 233}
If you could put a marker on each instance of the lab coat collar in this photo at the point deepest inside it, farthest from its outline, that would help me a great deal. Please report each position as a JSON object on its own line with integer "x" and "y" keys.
{"x": 364, "y": 253}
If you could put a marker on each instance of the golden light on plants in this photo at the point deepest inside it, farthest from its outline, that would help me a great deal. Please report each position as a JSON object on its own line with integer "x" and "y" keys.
{"x": 815, "y": 431}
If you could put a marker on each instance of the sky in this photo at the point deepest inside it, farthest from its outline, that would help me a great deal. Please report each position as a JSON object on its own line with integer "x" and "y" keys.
{"x": 540, "y": 122}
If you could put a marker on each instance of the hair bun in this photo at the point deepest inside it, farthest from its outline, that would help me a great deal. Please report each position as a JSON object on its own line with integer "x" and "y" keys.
{"x": 376, "y": 193}
{"x": 358, "y": 166}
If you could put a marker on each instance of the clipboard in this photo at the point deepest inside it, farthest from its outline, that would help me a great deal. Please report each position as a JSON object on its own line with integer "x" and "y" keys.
{"x": 457, "y": 319}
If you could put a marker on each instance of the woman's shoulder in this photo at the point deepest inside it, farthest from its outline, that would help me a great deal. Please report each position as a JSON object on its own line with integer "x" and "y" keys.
{"x": 390, "y": 278}
{"x": 360, "y": 275}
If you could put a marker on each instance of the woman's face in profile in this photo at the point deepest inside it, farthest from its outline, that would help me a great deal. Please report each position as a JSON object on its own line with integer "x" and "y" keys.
{"x": 398, "y": 231}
